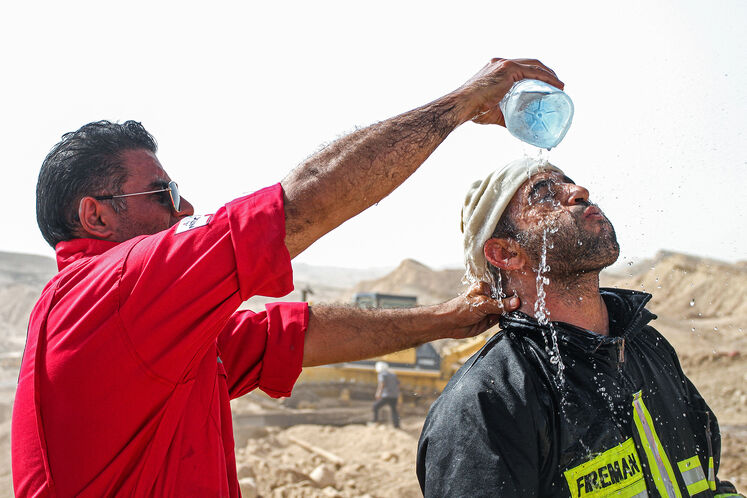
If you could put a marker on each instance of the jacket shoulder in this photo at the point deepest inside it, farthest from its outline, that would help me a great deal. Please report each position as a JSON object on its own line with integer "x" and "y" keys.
{"x": 497, "y": 384}
{"x": 495, "y": 405}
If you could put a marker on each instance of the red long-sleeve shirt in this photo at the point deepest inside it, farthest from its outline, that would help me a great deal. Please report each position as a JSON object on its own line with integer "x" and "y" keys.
{"x": 135, "y": 349}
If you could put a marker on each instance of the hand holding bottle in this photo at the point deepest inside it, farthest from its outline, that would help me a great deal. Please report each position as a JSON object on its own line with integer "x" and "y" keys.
{"x": 482, "y": 93}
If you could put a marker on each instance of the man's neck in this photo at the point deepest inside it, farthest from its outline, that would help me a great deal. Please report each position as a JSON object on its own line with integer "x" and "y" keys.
{"x": 574, "y": 300}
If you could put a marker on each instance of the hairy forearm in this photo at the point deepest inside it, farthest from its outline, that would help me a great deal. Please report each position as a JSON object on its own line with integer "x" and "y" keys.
{"x": 338, "y": 334}
{"x": 359, "y": 170}
{"x": 362, "y": 168}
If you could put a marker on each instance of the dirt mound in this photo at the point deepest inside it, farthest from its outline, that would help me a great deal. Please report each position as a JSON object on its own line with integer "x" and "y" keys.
{"x": 686, "y": 286}
{"x": 22, "y": 277}
{"x": 416, "y": 279}
{"x": 701, "y": 303}
{"x": 721, "y": 378}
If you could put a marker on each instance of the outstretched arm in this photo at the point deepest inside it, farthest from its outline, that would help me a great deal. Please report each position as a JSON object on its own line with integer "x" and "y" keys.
{"x": 337, "y": 334}
{"x": 362, "y": 168}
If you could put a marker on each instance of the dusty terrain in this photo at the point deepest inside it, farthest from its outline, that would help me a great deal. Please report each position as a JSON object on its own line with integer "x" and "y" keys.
{"x": 702, "y": 309}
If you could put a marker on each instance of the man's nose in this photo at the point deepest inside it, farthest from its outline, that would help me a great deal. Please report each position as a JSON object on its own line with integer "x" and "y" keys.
{"x": 577, "y": 195}
{"x": 185, "y": 208}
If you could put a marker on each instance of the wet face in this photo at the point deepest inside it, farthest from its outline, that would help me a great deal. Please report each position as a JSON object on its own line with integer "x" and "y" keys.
{"x": 150, "y": 213}
{"x": 550, "y": 211}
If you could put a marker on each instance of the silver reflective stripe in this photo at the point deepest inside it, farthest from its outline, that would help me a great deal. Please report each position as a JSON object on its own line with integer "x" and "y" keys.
{"x": 662, "y": 470}
{"x": 693, "y": 475}
{"x": 642, "y": 494}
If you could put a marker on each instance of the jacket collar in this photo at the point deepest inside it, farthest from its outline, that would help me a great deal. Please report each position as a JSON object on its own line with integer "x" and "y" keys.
{"x": 70, "y": 251}
{"x": 626, "y": 309}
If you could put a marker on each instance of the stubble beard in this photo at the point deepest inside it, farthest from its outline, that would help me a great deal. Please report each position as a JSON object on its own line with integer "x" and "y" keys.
{"x": 131, "y": 227}
{"x": 572, "y": 250}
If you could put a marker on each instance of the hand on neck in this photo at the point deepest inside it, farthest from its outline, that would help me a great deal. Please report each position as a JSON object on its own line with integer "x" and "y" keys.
{"x": 575, "y": 300}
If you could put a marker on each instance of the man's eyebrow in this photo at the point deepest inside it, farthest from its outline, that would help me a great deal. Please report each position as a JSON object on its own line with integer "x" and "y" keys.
{"x": 159, "y": 183}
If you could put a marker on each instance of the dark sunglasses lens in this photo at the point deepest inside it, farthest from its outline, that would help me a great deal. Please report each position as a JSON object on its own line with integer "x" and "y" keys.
{"x": 175, "y": 198}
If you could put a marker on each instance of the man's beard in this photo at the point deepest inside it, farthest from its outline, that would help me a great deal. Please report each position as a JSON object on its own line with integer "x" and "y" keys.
{"x": 571, "y": 249}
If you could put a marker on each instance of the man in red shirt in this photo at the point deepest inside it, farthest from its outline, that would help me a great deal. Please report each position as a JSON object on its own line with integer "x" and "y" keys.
{"x": 136, "y": 346}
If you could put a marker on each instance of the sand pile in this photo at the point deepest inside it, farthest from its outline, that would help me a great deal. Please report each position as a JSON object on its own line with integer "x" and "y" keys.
{"x": 690, "y": 287}
{"x": 22, "y": 277}
{"x": 701, "y": 303}
{"x": 415, "y": 279}
{"x": 348, "y": 461}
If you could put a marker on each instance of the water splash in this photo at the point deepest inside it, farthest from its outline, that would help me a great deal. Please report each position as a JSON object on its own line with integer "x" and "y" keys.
{"x": 541, "y": 313}
{"x": 494, "y": 283}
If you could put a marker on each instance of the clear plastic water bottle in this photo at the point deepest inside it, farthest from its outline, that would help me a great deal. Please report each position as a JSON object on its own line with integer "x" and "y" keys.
{"x": 537, "y": 113}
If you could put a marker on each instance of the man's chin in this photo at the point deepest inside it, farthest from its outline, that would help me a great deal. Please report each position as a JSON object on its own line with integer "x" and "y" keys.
{"x": 602, "y": 264}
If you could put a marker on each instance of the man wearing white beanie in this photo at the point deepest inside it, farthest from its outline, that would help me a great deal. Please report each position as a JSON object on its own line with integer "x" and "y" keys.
{"x": 576, "y": 395}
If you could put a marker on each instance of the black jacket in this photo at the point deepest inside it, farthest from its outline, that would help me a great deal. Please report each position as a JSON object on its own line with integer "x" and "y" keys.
{"x": 508, "y": 424}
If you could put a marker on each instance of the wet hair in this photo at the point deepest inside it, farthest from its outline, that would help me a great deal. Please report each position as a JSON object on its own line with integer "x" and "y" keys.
{"x": 85, "y": 162}
{"x": 504, "y": 229}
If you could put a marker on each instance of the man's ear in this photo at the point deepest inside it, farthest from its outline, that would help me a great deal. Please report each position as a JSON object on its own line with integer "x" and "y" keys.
{"x": 95, "y": 218}
{"x": 505, "y": 254}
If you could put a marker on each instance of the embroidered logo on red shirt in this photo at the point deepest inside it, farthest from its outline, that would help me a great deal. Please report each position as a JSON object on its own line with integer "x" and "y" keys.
{"x": 192, "y": 222}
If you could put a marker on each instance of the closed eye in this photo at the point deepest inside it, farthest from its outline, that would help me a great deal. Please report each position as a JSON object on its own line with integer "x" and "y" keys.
{"x": 543, "y": 191}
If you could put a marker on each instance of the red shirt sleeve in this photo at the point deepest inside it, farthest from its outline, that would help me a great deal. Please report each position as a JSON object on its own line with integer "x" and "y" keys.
{"x": 265, "y": 349}
{"x": 180, "y": 287}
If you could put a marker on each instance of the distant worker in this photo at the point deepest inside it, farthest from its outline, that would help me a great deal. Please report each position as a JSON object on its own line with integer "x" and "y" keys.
{"x": 136, "y": 347}
{"x": 576, "y": 395}
{"x": 387, "y": 392}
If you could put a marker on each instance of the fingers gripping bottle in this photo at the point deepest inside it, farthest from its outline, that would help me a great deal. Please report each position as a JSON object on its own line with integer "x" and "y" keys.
{"x": 537, "y": 113}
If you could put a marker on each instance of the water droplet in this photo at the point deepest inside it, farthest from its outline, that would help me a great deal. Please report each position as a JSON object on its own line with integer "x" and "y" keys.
{"x": 580, "y": 298}
{"x": 715, "y": 328}
{"x": 692, "y": 302}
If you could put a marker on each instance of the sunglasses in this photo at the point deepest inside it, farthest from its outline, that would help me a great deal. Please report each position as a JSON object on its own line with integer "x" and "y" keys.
{"x": 172, "y": 189}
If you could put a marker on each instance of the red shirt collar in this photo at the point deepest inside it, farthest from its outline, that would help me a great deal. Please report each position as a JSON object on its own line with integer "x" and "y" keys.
{"x": 70, "y": 251}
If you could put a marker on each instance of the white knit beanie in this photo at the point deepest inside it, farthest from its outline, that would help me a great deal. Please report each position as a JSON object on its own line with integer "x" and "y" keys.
{"x": 483, "y": 207}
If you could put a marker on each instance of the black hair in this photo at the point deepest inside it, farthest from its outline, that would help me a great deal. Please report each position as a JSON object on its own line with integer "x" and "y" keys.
{"x": 504, "y": 229}
{"x": 85, "y": 162}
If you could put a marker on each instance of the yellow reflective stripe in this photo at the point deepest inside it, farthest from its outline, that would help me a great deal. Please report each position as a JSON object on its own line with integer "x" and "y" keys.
{"x": 711, "y": 474}
{"x": 615, "y": 472}
{"x": 661, "y": 469}
{"x": 692, "y": 474}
